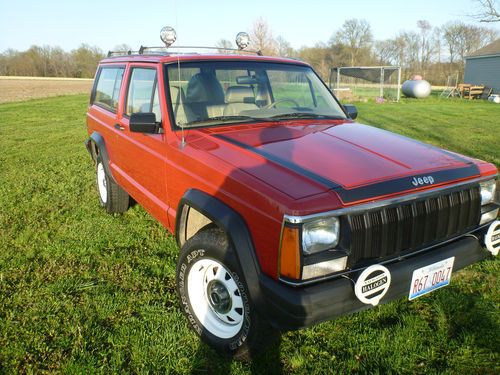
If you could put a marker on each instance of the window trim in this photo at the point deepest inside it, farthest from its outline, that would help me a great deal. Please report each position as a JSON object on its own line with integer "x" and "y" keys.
{"x": 96, "y": 81}
{"x": 129, "y": 80}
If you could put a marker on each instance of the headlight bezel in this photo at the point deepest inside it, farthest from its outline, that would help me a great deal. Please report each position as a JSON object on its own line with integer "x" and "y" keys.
{"x": 328, "y": 258}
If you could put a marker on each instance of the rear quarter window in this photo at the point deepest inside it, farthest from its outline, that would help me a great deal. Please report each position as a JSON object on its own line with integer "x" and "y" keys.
{"x": 107, "y": 88}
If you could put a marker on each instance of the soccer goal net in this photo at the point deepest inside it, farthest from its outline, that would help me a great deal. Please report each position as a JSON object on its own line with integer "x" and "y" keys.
{"x": 358, "y": 82}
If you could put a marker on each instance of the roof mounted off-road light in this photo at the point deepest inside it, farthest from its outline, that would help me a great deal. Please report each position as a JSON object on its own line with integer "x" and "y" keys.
{"x": 242, "y": 40}
{"x": 168, "y": 35}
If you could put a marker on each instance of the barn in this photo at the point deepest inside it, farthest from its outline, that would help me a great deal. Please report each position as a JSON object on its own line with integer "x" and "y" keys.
{"x": 483, "y": 67}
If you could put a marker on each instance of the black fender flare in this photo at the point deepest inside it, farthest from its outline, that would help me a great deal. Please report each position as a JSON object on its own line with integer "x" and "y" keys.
{"x": 95, "y": 144}
{"x": 237, "y": 231}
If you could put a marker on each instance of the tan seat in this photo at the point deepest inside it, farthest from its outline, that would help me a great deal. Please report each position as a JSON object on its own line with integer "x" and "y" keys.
{"x": 181, "y": 113}
{"x": 238, "y": 99}
{"x": 204, "y": 96}
{"x": 215, "y": 110}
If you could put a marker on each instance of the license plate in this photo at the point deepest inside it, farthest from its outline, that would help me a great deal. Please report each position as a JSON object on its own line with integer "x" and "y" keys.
{"x": 430, "y": 278}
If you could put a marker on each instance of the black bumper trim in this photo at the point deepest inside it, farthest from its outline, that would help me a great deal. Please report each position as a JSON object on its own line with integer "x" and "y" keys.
{"x": 290, "y": 308}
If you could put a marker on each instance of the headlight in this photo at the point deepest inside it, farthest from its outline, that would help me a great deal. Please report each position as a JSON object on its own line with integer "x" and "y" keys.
{"x": 319, "y": 235}
{"x": 488, "y": 189}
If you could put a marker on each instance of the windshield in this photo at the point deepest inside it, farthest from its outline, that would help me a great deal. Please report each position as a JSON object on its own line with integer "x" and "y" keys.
{"x": 211, "y": 93}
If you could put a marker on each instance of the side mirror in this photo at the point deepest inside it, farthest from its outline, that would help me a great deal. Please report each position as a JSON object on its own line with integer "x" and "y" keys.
{"x": 143, "y": 122}
{"x": 351, "y": 110}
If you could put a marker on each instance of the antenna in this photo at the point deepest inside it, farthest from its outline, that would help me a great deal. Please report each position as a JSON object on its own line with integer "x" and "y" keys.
{"x": 183, "y": 139}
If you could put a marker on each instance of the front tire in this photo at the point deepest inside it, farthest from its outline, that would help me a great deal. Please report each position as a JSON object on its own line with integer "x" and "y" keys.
{"x": 111, "y": 196}
{"x": 214, "y": 297}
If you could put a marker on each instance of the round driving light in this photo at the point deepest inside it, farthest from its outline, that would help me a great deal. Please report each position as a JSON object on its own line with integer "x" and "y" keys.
{"x": 242, "y": 40}
{"x": 168, "y": 35}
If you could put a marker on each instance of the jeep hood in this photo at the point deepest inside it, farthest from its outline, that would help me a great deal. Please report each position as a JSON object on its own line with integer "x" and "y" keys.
{"x": 357, "y": 161}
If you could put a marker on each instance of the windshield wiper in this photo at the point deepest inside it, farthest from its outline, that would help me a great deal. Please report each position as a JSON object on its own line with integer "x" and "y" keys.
{"x": 226, "y": 118}
{"x": 300, "y": 115}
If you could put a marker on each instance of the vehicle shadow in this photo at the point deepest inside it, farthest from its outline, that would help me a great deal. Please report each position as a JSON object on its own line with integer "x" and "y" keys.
{"x": 467, "y": 313}
{"x": 208, "y": 361}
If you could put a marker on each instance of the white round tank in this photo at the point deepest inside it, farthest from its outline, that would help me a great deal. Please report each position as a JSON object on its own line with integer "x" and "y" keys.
{"x": 494, "y": 98}
{"x": 419, "y": 88}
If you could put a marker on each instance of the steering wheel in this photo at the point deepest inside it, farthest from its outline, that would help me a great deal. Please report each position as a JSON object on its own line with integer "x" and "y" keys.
{"x": 273, "y": 104}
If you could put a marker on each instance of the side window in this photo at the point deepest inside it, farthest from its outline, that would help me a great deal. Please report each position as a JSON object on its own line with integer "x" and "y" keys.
{"x": 108, "y": 87}
{"x": 143, "y": 93}
{"x": 291, "y": 89}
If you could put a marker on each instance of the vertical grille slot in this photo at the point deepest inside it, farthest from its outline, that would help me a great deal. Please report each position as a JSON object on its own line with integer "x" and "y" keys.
{"x": 388, "y": 231}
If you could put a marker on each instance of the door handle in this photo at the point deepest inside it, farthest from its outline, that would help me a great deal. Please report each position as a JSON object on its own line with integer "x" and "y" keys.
{"x": 119, "y": 127}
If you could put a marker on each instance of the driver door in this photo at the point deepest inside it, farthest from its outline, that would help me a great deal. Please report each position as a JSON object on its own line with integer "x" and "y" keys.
{"x": 143, "y": 156}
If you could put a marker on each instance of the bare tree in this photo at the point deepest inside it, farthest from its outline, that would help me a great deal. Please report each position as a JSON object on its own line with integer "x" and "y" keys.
{"x": 357, "y": 36}
{"x": 384, "y": 51}
{"x": 489, "y": 11}
{"x": 124, "y": 47}
{"x": 426, "y": 47}
{"x": 412, "y": 47}
{"x": 462, "y": 39}
{"x": 400, "y": 44}
{"x": 262, "y": 38}
{"x": 437, "y": 42}
{"x": 86, "y": 58}
{"x": 320, "y": 57}
{"x": 284, "y": 48}
{"x": 223, "y": 44}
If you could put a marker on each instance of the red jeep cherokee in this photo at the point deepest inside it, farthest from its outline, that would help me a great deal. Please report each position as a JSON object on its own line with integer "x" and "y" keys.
{"x": 286, "y": 211}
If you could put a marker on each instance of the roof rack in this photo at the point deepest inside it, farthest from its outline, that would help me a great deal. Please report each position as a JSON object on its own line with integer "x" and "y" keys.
{"x": 144, "y": 49}
{"x": 122, "y": 53}
{"x": 163, "y": 50}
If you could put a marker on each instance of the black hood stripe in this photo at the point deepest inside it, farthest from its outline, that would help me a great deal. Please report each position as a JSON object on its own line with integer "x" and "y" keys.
{"x": 284, "y": 163}
{"x": 406, "y": 183}
{"x": 374, "y": 190}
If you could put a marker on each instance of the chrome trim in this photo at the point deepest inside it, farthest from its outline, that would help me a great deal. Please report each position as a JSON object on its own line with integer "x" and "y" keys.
{"x": 279, "y": 248}
{"x": 493, "y": 198}
{"x": 292, "y": 219}
{"x": 393, "y": 260}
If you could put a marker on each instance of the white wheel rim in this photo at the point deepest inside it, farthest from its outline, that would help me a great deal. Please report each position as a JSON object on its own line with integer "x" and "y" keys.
{"x": 207, "y": 279}
{"x": 101, "y": 183}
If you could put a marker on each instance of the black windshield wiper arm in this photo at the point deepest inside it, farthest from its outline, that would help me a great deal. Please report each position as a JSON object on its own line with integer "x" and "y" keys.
{"x": 306, "y": 115}
{"x": 226, "y": 118}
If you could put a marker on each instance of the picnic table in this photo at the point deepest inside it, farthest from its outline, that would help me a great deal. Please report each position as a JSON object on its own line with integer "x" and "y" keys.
{"x": 468, "y": 91}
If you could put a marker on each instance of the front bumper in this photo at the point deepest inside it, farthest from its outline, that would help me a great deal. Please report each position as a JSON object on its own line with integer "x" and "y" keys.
{"x": 289, "y": 308}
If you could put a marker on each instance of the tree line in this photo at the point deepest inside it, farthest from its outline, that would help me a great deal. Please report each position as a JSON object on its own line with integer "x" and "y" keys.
{"x": 47, "y": 61}
{"x": 433, "y": 52}
{"x": 430, "y": 51}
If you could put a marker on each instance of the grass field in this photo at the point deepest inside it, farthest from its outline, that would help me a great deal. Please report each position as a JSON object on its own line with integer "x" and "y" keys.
{"x": 85, "y": 292}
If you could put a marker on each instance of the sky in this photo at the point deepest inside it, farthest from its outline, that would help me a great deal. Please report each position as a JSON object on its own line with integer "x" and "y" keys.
{"x": 108, "y": 23}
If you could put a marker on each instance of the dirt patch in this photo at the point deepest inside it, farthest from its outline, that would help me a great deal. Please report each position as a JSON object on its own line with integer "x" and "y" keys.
{"x": 13, "y": 89}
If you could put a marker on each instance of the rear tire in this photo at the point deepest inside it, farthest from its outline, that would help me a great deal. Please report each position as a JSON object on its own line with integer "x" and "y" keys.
{"x": 111, "y": 196}
{"x": 214, "y": 297}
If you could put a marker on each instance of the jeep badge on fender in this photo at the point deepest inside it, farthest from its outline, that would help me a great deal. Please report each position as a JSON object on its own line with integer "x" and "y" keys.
{"x": 228, "y": 151}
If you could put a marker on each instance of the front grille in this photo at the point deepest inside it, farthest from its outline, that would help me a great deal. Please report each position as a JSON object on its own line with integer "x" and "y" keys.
{"x": 409, "y": 226}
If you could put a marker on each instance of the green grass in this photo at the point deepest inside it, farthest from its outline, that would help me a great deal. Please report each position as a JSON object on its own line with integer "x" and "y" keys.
{"x": 85, "y": 292}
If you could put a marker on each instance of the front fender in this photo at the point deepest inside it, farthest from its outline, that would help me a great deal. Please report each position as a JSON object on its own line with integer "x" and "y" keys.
{"x": 237, "y": 231}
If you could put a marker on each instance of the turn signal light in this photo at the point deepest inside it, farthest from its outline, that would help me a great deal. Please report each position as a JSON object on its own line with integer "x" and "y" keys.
{"x": 290, "y": 253}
